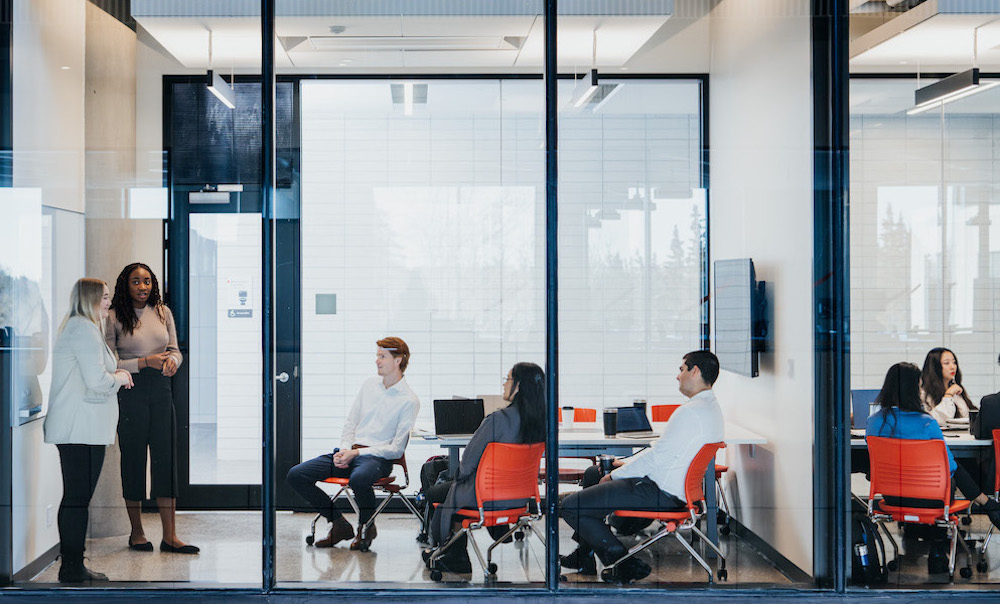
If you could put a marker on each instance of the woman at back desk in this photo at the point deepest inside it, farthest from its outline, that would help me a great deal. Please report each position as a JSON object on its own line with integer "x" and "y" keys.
{"x": 521, "y": 422}
{"x": 902, "y": 416}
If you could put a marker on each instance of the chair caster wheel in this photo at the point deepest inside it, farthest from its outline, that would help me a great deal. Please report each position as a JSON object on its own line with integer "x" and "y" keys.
{"x": 724, "y": 530}
{"x": 492, "y": 568}
{"x": 310, "y": 539}
{"x": 892, "y": 565}
{"x": 422, "y": 537}
{"x": 723, "y": 574}
{"x": 608, "y": 575}
{"x": 966, "y": 572}
{"x": 519, "y": 535}
{"x": 982, "y": 566}
{"x": 966, "y": 520}
{"x": 563, "y": 579}
{"x": 436, "y": 575}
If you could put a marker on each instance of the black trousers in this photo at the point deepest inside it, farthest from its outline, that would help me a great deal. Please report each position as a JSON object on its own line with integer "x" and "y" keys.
{"x": 146, "y": 421}
{"x": 81, "y": 467}
{"x": 585, "y": 511}
{"x": 363, "y": 471}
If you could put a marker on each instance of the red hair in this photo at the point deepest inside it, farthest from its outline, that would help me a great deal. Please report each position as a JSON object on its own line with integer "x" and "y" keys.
{"x": 398, "y": 349}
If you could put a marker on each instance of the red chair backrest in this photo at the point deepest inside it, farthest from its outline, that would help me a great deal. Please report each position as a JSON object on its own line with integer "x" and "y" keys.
{"x": 694, "y": 489}
{"x": 662, "y": 413}
{"x": 916, "y": 469}
{"x": 508, "y": 472}
{"x": 406, "y": 473}
{"x": 996, "y": 460}
{"x": 581, "y": 414}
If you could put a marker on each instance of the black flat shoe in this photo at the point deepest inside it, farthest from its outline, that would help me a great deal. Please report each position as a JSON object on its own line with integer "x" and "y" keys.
{"x": 140, "y": 547}
{"x": 184, "y": 549}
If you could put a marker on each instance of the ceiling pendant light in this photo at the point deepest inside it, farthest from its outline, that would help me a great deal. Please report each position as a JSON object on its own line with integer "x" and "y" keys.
{"x": 216, "y": 85}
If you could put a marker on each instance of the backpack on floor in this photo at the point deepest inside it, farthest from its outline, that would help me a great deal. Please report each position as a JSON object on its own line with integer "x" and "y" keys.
{"x": 867, "y": 548}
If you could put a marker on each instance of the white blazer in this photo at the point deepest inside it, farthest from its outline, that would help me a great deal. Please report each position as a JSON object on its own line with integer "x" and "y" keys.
{"x": 83, "y": 408}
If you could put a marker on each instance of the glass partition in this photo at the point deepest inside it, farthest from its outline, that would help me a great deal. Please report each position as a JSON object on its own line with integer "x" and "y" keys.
{"x": 111, "y": 166}
{"x": 419, "y": 213}
{"x": 644, "y": 226}
{"x": 924, "y": 278}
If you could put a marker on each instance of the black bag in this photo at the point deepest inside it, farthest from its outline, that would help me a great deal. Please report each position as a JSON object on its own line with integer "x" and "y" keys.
{"x": 432, "y": 470}
{"x": 870, "y": 568}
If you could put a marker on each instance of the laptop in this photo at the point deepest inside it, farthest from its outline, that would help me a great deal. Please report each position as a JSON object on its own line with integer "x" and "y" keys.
{"x": 457, "y": 416}
{"x": 863, "y": 405}
{"x": 492, "y": 402}
{"x": 633, "y": 422}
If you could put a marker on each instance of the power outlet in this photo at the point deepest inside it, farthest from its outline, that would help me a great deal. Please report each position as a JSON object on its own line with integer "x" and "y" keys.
{"x": 48, "y": 515}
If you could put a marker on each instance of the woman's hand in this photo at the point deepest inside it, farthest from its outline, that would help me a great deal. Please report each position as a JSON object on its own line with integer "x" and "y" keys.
{"x": 156, "y": 361}
{"x": 953, "y": 390}
{"x": 169, "y": 366}
{"x": 125, "y": 378}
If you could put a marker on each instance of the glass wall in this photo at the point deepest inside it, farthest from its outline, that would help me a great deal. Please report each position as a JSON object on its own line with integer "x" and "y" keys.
{"x": 923, "y": 261}
{"x": 410, "y": 200}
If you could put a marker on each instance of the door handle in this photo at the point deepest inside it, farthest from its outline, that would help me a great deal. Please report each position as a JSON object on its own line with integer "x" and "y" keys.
{"x": 282, "y": 377}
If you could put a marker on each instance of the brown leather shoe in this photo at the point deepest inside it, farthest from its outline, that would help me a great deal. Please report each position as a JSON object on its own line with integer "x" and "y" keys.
{"x": 363, "y": 544}
{"x": 340, "y": 531}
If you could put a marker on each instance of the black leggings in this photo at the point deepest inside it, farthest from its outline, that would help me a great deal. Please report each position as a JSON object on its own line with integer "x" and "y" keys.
{"x": 81, "y": 467}
{"x": 146, "y": 421}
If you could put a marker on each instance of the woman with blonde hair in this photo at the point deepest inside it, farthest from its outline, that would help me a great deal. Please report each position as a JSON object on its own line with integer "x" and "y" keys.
{"x": 82, "y": 416}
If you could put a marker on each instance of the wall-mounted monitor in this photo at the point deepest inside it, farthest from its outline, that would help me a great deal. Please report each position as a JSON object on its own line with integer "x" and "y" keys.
{"x": 740, "y": 322}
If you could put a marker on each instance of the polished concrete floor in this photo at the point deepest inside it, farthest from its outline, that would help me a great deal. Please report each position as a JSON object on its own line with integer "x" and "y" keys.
{"x": 231, "y": 556}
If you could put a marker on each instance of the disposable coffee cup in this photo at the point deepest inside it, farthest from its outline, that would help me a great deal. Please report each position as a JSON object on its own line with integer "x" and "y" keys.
{"x": 606, "y": 463}
{"x": 610, "y": 422}
{"x": 567, "y": 417}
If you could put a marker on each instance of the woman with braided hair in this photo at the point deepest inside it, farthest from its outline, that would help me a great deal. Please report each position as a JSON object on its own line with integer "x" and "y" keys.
{"x": 141, "y": 330}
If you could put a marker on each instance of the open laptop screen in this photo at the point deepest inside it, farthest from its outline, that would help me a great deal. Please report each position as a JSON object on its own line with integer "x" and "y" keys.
{"x": 457, "y": 416}
{"x": 633, "y": 419}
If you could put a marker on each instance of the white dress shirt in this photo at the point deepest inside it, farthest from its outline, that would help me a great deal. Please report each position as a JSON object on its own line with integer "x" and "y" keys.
{"x": 381, "y": 418}
{"x": 695, "y": 424}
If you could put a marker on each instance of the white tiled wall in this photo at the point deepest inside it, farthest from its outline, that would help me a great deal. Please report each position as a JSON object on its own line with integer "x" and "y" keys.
{"x": 431, "y": 227}
{"x": 925, "y": 245}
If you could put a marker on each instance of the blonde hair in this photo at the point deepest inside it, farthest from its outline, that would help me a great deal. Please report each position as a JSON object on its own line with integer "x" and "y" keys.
{"x": 84, "y": 299}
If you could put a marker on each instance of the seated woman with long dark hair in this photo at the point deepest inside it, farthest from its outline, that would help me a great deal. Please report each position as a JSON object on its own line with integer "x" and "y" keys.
{"x": 941, "y": 390}
{"x": 523, "y": 421}
{"x": 903, "y": 416}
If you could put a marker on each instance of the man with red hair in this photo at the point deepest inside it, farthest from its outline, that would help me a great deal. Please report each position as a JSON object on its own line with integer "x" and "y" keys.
{"x": 376, "y": 432}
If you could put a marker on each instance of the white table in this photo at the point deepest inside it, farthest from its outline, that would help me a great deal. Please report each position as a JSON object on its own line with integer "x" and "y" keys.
{"x": 589, "y": 440}
{"x": 960, "y": 442}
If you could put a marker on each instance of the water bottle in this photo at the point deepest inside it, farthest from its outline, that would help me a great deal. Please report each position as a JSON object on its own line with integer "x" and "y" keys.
{"x": 861, "y": 551}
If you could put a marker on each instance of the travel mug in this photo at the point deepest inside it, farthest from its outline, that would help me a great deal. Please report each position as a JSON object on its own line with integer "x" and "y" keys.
{"x": 605, "y": 463}
{"x": 610, "y": 421}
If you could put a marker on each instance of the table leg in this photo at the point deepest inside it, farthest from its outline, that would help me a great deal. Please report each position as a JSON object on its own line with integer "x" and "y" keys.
{"x": 711, "y": 509}
{"x": 453, "y": 461}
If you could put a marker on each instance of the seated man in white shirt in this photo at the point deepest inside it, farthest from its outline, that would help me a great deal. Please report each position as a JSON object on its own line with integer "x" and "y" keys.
{"x": 651, "y": 480}
{"x": 376, "y": 432}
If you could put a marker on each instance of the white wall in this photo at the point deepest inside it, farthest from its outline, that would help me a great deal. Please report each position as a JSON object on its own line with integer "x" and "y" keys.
{"x": 761, "y": 207}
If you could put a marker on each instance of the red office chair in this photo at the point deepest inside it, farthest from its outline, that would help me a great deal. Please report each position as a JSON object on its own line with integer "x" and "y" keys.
{"x": 914, "y": 469}
{"x": 506, "y": 473}
{"x": 662, "y": 413}
{"x": 676, "y": 521}
{"x": 982, "y": 566}
{"x": 386, "y": 485}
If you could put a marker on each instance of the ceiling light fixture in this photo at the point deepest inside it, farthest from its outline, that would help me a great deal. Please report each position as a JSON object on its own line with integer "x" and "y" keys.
{"x": 952, "y": 88}
{"x": 216, "y": 85}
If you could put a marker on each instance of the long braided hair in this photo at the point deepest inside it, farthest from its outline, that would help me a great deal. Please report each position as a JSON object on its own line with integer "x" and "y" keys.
{"x": 121, "y": 303}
